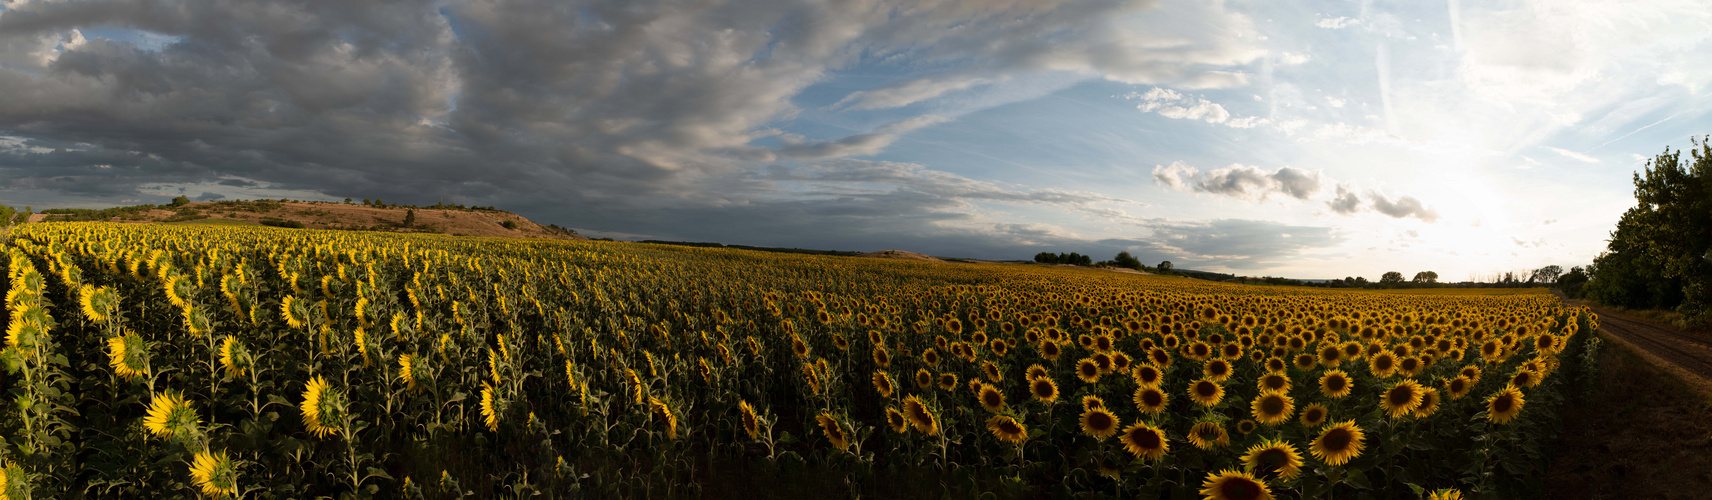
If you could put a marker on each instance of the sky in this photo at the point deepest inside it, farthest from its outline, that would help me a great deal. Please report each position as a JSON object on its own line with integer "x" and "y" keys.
{"x": 1306, "y": 139}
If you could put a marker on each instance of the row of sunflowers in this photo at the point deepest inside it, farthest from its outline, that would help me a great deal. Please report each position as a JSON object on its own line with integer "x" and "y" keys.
{"x": 231, "y": 362}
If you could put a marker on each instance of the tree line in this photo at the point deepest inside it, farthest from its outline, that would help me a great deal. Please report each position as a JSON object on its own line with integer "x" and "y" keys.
{"x": 1660, "y": 254}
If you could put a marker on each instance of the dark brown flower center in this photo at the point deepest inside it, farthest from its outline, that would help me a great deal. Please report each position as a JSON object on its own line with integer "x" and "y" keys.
{"x": 1337, "y": 440}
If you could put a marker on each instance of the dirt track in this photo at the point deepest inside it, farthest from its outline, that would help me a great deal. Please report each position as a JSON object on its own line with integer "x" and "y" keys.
{"x": 1690, "y": 352}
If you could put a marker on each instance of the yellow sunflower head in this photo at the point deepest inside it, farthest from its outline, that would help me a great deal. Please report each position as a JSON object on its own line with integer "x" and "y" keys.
{"x": 1338, "y": 443}
{"x": 1505, "y": 405}
{"x": 1206, "y": 392}
{"x": 1272, "y": 408}
{"x": 215, "y": 474}
{"x": 170, "y": 416}
{"x": 834, "y": 431}
{"x": 1099, "y": 423}
{"x": 1273, "y": 457}
{"x": 1313, "y": 415}
{"x": 233, "y": 357}
{"x": 751, "y": 422}
{"x": 129, "y": 355}
{"x": 991, "y": 398}
{"x": 1335, "y": 384}
{"x": 1043, "y": 389}
{"x": 1209, "y": 435}
{"x": 323, "y": 407}
{"x": 920, "y": 416}
{"x": 1150, "y": 400}
{"x": 1007, "y": 429}
{"x": 1234, "y": 485}
{"x": 883, "y": 384}
{"x": 1401, "y": 399}
{"x": 895, "y": 419}
{"x": 1145, "y": 441}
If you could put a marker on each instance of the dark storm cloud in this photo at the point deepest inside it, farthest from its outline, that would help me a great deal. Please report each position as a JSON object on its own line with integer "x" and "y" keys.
{"x": 594, "y": 114}
{"x": 1240, "y": 244}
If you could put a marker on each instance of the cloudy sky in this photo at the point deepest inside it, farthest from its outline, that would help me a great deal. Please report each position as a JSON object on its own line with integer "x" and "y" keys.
{"x": 1310, "y": 139}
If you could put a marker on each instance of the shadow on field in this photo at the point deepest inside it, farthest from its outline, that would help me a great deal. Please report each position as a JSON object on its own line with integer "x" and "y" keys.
{"x": 1644, "y": 434}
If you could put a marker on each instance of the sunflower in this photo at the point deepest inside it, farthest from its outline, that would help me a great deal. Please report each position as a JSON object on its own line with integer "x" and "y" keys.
{"x": 1147, "y": 375}
{"x": 1275, "y": 381}
{"x": 923, "y": 378}
{"x": 1272, "y": 408}
{"x": 406, "y": 369}
{"x": 991, "y": 371}
{"x": 294, "y": 311}
{"x": 233, "y": 356}
{"x": 1043, "y": 389}
{"x": 1338, "y": 444}
{"x": 1273, "y": 457}
{"x": 1007, "y": 429}
{"x": 895, "y": 419}
{"x": 1458, "y": 387}
{"x": 1429, "y": 403}
{"x": 1099, "y": 423}
{"x": 1313, "y": 415}
{"x": 491, "y": 407}
{"x": 1525, "y": 378}
{"x": 1050, "y": 350}
{"x": 1382, "y": 365}
{"x": 1206, "y": 392}
{"x": 1209, "y": 435}
{"x": 1034, "y": 371}
{"x": 214, "y": 473}
{"x": 1445, "y": 494}
{"x": 883, "y": 384}
{"x": 1401, "y": 399}
{"x": 1150, "y": 400}
{"x": 1470, "y": 372}
{"x": 947, "y": 381}
{"x": 1335, "y": 384}
{"x": 129, "y": 355}
{"x": 1410, "y": 366}
{"x": 1246, "y": 427}
{"x": 1505, "y": 405}
{"x": 1275, "y": 364}
{"x": 930, "y": 356}
{"x": 1234, "y": 485}
{"x": 752, "y": 423}
{"x": 1159, "y": 357}
{"x": 920, "y": 417}
{"x": 1330, "y": 355}
{"x": 169, "y": 415}
{"x": 1304, "y": 361}
{"x": 1145, "y": 441}
{"x": 992, "y": 399}
{"x": 660, "y": 409}
{"x": 1088, "y": 370}
{"x": 882, "y": 358}
{"x": 1217, "y": 370}
{"x": 834, "y": 432}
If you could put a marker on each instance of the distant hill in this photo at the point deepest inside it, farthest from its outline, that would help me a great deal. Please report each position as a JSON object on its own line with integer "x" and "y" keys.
{"x": 451, "y": 220}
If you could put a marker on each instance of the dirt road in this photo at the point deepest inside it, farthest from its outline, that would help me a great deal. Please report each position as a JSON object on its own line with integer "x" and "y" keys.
{"x": 1692, "y": 353}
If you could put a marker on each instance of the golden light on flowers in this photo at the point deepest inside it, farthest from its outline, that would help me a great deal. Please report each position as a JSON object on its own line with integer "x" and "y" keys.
{"x": 1208, "y": 435}
{"x": 883, "y": 384}
{"x": 169, "y": 415}
{"x": 1274, "y": 381}
{"x": 1313, "y": 415}
{"x": 834, "y": 432}
{"x": 291, "y": 308}
{"x": 1147, "y": 375}
{"x": 750, "y": 422}
{"x": 1150, "y": 400}
{"x": 1524, "y": 378}
{"x": 407, "y": 371}
{"x": 1217, "y": 370}
{"x": 233, "y": 356}
{"x": 1043, "y": 389}
{"x": 991, "y": 398}
{"x": 214, "y": 474}
{"x": 1273, "y": 457}
{"x": 322, "y": 407}
{"x": 128, "y": 354}
{"x": 1206, "y": 392}
{"x": 1272, "y": 408}
{"x": 1401, "y": 399}
{"x": 1234, "y": 485}
{"x": 659, "y": 408}
{"x": 1338, "y": 444}
{"x": 1505, "y": 405}
{"x": 947, "y": 381}
{"x": 1458, "y": 387}
{"x": 1088, "y": 370}
{"x": 895, "y": 419}
{"x": 1145, "y": 442}
{"x": 1091, "y": 401}
{"x": 1335, "y": 384}
{"x": 1007, "y": 429}
{"x": 1098, "y": 423}
{"x": 1429, "y": 403}
{"x": 920, "y": 417}
{"x": 1444, "y": 494}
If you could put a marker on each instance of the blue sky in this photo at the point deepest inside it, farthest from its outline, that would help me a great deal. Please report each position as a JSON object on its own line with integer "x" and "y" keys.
{"x": 1304, "y": 139}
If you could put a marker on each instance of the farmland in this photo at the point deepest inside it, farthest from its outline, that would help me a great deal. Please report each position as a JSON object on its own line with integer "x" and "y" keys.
{"x": 230, "y": 361}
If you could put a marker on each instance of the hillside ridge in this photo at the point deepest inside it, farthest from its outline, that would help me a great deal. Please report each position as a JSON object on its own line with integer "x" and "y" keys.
{"x": 452, "y": 220}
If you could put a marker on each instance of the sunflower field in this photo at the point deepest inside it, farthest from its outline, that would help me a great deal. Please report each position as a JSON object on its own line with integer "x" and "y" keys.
{"x": 233, "y": 362}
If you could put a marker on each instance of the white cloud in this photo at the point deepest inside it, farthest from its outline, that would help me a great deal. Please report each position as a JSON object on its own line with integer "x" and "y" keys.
{"x": 1292, "y": 59}
{"x": 1334, "y": 102}
{"x": 1336, "y": 23}
{"x": 1239, "y": 181}
{"x": 1573, "y": 155}
{"x": 1175, "y": 105}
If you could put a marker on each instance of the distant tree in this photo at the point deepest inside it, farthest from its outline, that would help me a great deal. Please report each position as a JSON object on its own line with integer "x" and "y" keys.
{"x": 1425, "y": 277}
{"x": 1165, "y": 267}
{"x": 365, "y": 201}
{"x": 510, "y": 224}
{"x": 1124, "y": 259}
{"x": 1046, "y": 258}
{"x": 1359, "y": 282}
{"x": 1547, "y": 275}
{"x": 180, "y": 201}
{"x": 347, "y": 201}
{"x": 409, "y": 218}
{"x": 379, "y": 203}
{"x": 1391, "y": 279}
{"x": 1572, "y": 282}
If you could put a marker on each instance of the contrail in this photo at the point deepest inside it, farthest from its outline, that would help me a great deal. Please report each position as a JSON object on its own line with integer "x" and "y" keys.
{"x": 1666, "y": 119}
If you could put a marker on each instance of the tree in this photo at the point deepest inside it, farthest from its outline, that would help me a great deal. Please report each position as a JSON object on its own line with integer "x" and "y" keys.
{"x": 1425, "y": 277}
{"x": 1660, "y": 255}
{"x": 1572, "y": 282}
{"x": 1548, "y": 274}
{"x": 1165, "y": 267}
{"x": 409, "y": 218}
{"x": 1124, "y": 259}
{"x": 180, "y": 201}
{"x": 1391, "y": 279}
{"x": 347, "y": 201}
{"x": 365, "y": 201}
{"x": 1046, "y": 258}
